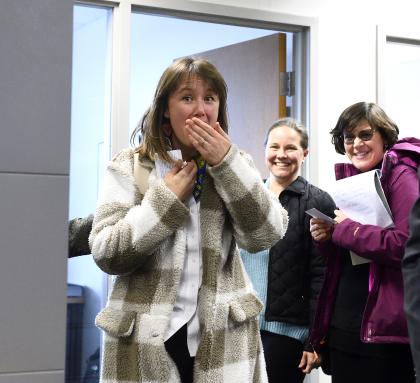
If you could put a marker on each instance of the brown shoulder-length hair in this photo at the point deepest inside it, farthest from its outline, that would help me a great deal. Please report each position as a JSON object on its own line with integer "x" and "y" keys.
{"x": 359, "y": 112}
{"x": 152, "y": 136}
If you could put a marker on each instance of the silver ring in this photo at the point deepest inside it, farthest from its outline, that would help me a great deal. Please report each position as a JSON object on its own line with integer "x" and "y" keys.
{"x": 203, "y": 141}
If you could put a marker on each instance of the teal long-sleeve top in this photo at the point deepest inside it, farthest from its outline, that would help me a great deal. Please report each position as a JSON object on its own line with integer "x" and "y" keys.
{"x": 256, "y": 266}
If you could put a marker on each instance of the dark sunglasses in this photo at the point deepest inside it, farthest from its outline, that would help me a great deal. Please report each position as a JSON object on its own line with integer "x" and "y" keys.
{"x": 364, "y": 135}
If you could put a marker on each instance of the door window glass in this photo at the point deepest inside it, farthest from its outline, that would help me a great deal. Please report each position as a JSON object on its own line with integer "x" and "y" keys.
{"x": 402, "y": 87}
{"x": 253, "y": 62}
{"x": 90, "y": 129}
{"x": 157, "y": 40}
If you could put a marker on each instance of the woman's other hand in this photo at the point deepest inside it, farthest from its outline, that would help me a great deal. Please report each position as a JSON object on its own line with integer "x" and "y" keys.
{"x": 320, "y": 230}
{"x": 181, "y": 179}
{"x": 339, "y": 216}
{"x": 309, "y": 361}
{"x": 211, "y": 142}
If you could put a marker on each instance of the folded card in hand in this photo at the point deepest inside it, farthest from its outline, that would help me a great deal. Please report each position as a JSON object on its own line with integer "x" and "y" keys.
{"x": 315, "y": 213}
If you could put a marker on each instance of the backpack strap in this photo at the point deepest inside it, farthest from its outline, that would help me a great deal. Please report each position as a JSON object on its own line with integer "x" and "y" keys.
{"x": 141, "y": 175}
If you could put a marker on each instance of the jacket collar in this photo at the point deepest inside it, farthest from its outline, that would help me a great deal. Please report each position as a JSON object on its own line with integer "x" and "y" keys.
{"x": 298, "y": 186}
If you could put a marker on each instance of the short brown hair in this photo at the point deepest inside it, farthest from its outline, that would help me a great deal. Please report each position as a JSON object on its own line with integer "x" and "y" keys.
{"x": 359, "y": 112}
{"x": 293, "y": 124}
{"x": 152, "y": 138}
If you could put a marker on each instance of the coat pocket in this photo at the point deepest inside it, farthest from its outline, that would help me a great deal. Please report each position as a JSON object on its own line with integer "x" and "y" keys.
{"x": 116, "y": 323}
{"x": 156, "y": 364}
{"x": 242, "y": 338}
{"x": 244, "y": 308}
{"x": 134, "y": 347}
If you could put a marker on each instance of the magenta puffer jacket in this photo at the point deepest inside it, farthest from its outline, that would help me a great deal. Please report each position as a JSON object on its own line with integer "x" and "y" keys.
{"x": 383, "y": 319}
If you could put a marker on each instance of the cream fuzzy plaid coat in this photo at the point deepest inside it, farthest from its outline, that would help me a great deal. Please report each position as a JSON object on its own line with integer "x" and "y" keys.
{"x": 142, "y": 240}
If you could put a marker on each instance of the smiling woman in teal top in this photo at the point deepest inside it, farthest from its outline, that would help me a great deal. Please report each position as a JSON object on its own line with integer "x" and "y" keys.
{"x": 288, "y": 276}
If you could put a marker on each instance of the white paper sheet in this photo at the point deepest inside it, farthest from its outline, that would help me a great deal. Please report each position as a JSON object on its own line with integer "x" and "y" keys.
{"x": 362, "y": 199}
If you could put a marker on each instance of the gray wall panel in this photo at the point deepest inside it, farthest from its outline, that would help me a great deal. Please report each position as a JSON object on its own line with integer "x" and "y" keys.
{"x": 33, "y": 237}
{"x": 35, "y": 78}
{"x": 38, "y": 377}
{"x": 35, "y": 98}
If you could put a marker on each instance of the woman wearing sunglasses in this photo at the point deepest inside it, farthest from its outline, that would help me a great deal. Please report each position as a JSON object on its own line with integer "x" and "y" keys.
{"x": 360, "y": 319}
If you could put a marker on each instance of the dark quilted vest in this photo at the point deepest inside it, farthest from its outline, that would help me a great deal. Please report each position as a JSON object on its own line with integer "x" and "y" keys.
{"x": 296, "y": 269}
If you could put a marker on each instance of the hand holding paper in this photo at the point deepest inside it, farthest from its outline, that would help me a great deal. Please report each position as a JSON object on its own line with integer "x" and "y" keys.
{"x": 362, "y": 199}
{"x": 315, "y": 213}
{"x": 340, "y": 216}
{"x": 321, "y": 226}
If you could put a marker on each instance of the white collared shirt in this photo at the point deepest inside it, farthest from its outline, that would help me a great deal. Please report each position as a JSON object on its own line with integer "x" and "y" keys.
{"x": 185, "y": 309}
